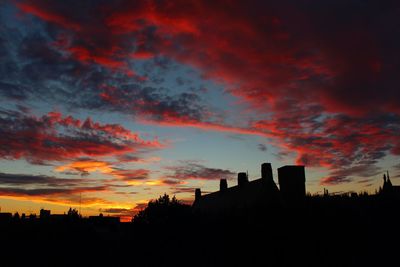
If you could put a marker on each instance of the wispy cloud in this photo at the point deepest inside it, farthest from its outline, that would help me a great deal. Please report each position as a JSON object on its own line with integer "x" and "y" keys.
{"x": 193, "y": 170}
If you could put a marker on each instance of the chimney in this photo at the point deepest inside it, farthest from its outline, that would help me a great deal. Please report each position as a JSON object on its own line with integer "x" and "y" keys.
{"x": 266, "y": 171}
{"x": 197, "y": 194}
{"x": 223, "y": 185}
{"x": 242, "y": 179}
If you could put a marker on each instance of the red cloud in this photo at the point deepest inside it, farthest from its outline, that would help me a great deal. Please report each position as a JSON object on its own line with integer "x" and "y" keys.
{"x": 84, "y": 55}
{"x": 335, "y": 141}
{"x": 315, "y": 74}
{"x": 53, "y": 137}
{"x": 265, "y": 52}
{"x": 177, "y": 121}
{"x": 49, "y": 15}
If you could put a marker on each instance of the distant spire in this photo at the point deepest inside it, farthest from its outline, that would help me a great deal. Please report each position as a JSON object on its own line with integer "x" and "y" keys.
{"x": 388, "y": 179}
{"x": 384, "y": 178}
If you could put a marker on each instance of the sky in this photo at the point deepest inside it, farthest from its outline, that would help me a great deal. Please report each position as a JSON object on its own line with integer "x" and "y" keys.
{"x": 108, "y": 104}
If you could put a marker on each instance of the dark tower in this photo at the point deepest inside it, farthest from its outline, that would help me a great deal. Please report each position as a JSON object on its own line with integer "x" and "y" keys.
{"x": 292, "y": 185}
{"x": 223, "y": 185}
{"x": 197, "y": 194}
{"x": 242, "y": 179}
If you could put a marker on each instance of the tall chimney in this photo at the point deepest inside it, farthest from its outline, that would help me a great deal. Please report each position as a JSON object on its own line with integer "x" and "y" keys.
{"x": 197, "y": 194}
{"x": 242, "y": 179}
{"x": 223, "y": 185}
{"x": 266, "y": 171}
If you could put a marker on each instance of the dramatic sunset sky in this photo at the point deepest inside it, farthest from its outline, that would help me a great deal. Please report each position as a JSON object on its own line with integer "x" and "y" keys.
{"x": 116, "y": 102}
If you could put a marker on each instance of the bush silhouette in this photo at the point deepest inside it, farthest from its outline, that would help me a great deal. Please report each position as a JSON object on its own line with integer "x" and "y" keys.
{"x": 163, "y": 211}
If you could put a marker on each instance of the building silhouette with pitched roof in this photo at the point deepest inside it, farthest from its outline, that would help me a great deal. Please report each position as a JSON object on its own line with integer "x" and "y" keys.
{"x": 259, "y": 193}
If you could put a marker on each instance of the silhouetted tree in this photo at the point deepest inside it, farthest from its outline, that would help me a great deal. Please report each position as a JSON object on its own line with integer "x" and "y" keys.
{"x": 73, "y": 214}
{"x": 163, "y": 211}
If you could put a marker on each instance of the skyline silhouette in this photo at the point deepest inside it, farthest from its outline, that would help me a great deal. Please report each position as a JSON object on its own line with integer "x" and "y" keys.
{"x": 264, "y": 193}
{"x": 254, "y": 223}
{"x": 105, "y": 105}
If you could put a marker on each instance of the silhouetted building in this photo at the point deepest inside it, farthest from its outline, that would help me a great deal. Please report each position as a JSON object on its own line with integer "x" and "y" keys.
{"x": 292, "y": 185}
{"x": 246, "y": 195}
{"x": 388, "y": 189}
{"x": 5, "y": 216}
{"x": 16, "y": 216}
{"x": 58, "y": 217}
{"x": 44, "y": 214}
{"x": 104, "y": 219}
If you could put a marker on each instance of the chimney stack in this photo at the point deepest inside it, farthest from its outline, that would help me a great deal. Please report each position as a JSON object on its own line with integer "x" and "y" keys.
{"x": 266, "y": 171}
{"x": 292, "y": 184}
{"x": 223, "y": 185}
{"x": 197, "y": 194}
{"x": 242, "y": 179}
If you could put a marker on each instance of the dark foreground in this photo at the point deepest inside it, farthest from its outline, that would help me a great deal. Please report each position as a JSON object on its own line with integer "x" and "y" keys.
{"x": 341, "y": 232}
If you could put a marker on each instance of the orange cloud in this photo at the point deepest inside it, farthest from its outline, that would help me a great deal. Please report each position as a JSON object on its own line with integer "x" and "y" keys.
{"x": 86, "y": 166}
